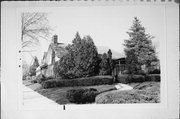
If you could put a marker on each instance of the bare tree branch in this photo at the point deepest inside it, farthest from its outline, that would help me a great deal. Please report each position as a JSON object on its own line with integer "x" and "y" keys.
{"x": 34, "y": 26}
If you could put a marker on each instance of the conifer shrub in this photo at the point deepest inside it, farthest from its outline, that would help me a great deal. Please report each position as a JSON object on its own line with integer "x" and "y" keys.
{"x": 153, "y": 77}
{"x": 80, "y": 61}
{"x": 87, "y": 81}
{"x": 132, "y": 96}
{"x": 40, "y": 78}
{"x": 127, "y": 78}
{"x": 156, "y": 71}
{"x": 82, "y": 96}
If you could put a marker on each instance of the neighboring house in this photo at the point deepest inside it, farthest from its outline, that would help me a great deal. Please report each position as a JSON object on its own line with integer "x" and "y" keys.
{"x": 55, "y": 52}
{"x": 119, "y": 65}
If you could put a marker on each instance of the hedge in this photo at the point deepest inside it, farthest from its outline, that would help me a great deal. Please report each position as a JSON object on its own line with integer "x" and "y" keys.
{"x": 132, "y": 96}
{"x": 82, "y": 96}
{"x": 156, "y": 71}
{"x": 87, "y": 81}
{"x": 153, "y": 77}
{"x": 125, "y": 78}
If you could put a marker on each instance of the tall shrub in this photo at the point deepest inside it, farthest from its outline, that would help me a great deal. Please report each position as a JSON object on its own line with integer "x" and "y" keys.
{"x": 104, "y": 65}
{"x": 110, "y": 61}
{"x": 80, "y": 61}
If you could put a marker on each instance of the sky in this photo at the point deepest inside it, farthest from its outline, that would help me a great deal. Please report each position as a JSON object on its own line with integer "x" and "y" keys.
{"x": 107, "y": 25}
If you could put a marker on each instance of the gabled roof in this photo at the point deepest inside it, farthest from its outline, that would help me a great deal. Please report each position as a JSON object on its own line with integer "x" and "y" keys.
{"x": 44, "y": 55}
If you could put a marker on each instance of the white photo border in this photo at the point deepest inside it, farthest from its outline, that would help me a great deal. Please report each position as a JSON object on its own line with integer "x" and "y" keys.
{"x": 169, "y": 61}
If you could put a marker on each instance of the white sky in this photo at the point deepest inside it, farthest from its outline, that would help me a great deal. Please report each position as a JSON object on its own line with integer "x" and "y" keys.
{"x": 107, "y": 25}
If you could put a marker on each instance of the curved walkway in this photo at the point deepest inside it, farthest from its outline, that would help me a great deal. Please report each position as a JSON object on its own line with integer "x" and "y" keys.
{"x": 121, "y": 87}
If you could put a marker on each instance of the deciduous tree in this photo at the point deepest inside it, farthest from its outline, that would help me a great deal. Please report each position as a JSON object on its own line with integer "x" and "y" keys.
{"x": 34, "y": 26}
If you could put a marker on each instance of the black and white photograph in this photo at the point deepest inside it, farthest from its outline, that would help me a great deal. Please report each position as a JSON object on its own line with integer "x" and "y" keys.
{"x": 90, "y": 59}
{"x": 98, "y": 55}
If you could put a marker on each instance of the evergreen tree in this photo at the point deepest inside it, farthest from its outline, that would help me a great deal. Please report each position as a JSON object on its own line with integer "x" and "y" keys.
{"x": 131, "y": 62}
{"x": 81, "y": 59}
{"x": 139, "y": 49}
{"x": 77, "y": 39}
{"x": 104, "y": 65}
{"x": 110, "y": 60}
{"x": 89, "y": 56}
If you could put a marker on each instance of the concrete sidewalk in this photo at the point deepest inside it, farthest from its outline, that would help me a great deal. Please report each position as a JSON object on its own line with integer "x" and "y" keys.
{"x": 32, "y": 99}
{"x": 121, "y": 87}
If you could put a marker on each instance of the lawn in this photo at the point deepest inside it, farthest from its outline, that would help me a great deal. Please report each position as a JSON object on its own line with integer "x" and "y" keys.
{"x": 147, "y": 92}
{"x": 59, "y": 94}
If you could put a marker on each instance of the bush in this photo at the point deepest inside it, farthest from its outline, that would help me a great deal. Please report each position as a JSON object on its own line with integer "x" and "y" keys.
{"x": 141, "y": 72}
{"x": 28, "y": 78}
{"x": 156, "y": 71}
{"x": 125, "y": 72}
{"x": 40, "y": 78}
{"x": 87, "y": 81}
{"x": 33, "y": 79}
{"x": 80, "y": 59}
{"x": 132, "y": 96}
{"x": 82, "y": 96}
{"x": 50, "y": 77}
{"x": 106, "y": 64}
{"x": 153, "y": 77}
{"x": 32, "y": 71}
{"x": 138, "y": 78}
{"x": 125, "y": 78}
{"x": 49, "y": 84}
{"x": 24, "y": 77}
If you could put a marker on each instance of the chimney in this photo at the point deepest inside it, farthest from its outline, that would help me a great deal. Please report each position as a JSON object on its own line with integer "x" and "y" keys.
{"x": 55, "y": 39}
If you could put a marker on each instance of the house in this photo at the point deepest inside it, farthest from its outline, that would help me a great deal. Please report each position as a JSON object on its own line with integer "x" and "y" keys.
{"x": 119, "y": 65}
{"x": 55, "y": 52}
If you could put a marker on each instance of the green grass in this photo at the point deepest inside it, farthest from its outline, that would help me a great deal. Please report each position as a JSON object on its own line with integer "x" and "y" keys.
{"x": 59, "y": 94}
